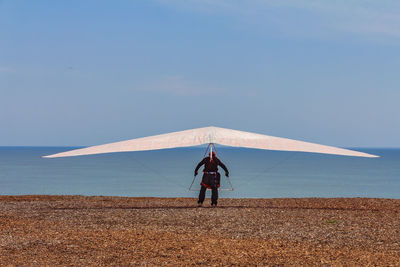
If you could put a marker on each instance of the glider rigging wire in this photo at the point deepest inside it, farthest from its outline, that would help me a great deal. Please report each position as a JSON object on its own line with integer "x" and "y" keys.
{"x": 157, "y": 173}
{"x": 291, "y": 155}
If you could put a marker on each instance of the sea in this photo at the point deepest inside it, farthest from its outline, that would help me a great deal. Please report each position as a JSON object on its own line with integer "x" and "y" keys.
{"x": 169, "y": 173}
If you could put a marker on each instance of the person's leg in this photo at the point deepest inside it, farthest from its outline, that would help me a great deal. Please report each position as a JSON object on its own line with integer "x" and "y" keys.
{"x": 203, "y": 189}
{"x": 214, "y": 195}
{"x": 202, "y": 195}
{"x": 214, "y": 191}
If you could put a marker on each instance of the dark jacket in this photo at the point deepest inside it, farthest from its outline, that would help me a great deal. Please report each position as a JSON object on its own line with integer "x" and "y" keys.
{"x": 211, "y": 166}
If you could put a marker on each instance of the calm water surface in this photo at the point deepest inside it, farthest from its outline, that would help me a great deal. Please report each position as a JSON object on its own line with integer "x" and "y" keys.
{"x": 169, "y": 173}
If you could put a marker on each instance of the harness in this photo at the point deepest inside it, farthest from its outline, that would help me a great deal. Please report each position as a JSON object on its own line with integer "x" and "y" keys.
{"x": 217, "y": 183}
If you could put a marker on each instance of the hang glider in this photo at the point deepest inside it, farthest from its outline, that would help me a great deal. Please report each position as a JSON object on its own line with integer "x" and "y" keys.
{"x": 211, "y": 135}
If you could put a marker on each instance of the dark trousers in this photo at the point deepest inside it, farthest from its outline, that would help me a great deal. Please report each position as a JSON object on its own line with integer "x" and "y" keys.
{"x": 210, "y": 180}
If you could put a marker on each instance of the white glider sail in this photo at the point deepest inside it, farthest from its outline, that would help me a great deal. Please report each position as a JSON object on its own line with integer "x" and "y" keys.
{"x": 213, "y": 135}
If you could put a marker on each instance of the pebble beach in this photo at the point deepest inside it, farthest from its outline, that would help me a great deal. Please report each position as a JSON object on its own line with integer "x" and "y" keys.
{"x": 43, "y": 230}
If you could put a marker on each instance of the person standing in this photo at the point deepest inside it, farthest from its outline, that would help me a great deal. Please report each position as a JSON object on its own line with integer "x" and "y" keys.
{"x": 210, "y": 178}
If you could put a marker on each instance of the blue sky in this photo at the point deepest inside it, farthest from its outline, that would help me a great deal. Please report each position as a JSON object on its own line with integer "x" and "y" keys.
{"x": 91, "y": 72}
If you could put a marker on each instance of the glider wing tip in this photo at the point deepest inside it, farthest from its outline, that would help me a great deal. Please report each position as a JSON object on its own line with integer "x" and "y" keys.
{"x": 371, "y": 156}
{"x": 50, "y": 156}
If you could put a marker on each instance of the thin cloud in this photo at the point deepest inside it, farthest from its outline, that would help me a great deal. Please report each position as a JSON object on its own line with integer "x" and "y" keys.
{"x": 178, "y": 85}
{"x": 5, "y": 69}
{"x": 308, "y": 18}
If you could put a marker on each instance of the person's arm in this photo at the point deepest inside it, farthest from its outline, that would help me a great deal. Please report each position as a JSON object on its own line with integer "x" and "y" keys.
{"x": 223, "y": 167}
{"x": 198, "y": 166}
